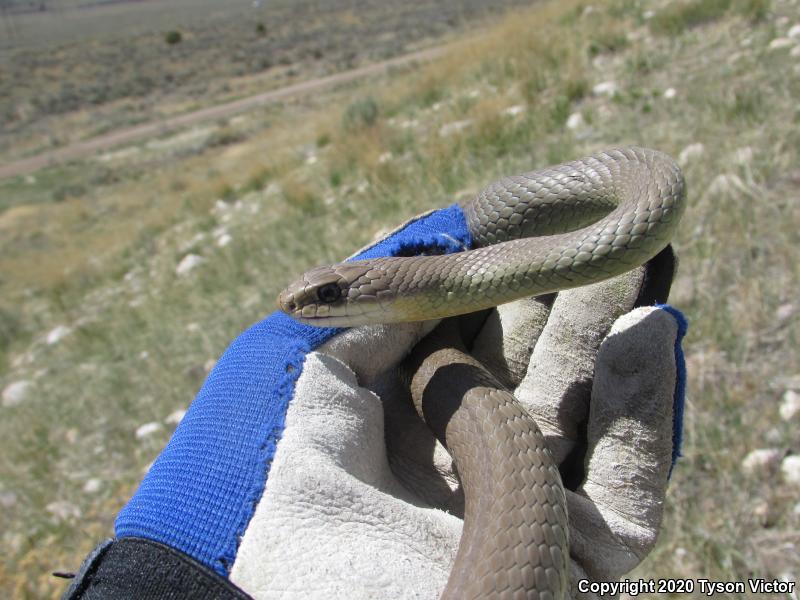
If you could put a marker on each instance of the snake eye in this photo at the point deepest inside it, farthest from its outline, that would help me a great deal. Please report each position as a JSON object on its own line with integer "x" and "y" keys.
{"x": 329, "y": 293}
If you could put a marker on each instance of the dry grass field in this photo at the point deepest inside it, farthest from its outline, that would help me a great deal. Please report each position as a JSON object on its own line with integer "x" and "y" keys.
{"x": 104, "y": 340}
{"x": 69, "y": 73}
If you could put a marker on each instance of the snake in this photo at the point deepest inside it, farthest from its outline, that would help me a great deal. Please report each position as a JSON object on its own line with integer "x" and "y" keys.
{"x": 564, "y": 226}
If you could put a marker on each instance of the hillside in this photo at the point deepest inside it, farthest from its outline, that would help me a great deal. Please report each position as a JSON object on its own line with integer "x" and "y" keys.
{"x": 76, "y": 71}
{"x": 123, "y": 277}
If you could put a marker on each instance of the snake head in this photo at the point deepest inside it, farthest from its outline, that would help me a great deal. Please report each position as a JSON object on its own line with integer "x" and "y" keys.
{"x": 333, "y": 296}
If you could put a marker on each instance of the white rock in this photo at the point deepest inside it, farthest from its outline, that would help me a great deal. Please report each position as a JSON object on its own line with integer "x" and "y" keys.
{"x": 220, "y": 207}
{"x": 192, "y": 242}
{"x": 15, "y": 393}
{"x": 796, "y": 509}
{"x": 726, "y": 183}
{"x": 57, "y": 334}
{"x": 761, "y": 510}
{"x": 454, "y": 127}
{"x": 761, "y": 460}
{"x": 794, "y": 32}
{"x": 210, "y": 363}
{"x": 606, "y": 88}
{"x": 175, "y": 417}
{"x": 744, "y": 155}
{"x": 14, "y": 541}
{"x": 795, "y": 52}
{"x": 648, "y": 14}
{"x": 188, "y": 264}
{"x": 385, "y": 158}
{"x": 71, "y": 435}
{"x": 790, "y": 469}
{"x": 575, "y": 121}
{"x": 92, "y": 486}
{"x": 147, "y": 430}
{"x": 328, "y": 200}
{"x": 789, "y": 577}
{"x": 273, "y": 189}
{"x": 781, "y": 43}
{"x": 514, "y": 111}
{"x": 670, "y": 93}
{"x": 63, "y": 510}
{"x": 790, "y": 405}
{"x": 784, "y": 312}
{"x": 224, "y": 240}
{"x": 690, "y": 153}
{"x": 312, "y": 159}
{"x": 735, "y": 57}
{"x": 7, "y": 499}
{"x": 773, "y": 436}
{"x": 193, "y": 327}
{"x": 144, "y": 355}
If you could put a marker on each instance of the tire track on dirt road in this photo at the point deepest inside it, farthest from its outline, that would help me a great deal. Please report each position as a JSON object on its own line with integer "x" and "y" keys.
{"x": 131, "y": 134}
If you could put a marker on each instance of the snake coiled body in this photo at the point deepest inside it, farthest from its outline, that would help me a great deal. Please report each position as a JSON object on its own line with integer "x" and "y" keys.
{"x": 514, "y": 541}
{"x": 565, "y": 226}
{"x": 526, "y": 230}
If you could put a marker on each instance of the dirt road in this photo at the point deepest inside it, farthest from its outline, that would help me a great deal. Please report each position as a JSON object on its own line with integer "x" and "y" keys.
{"x": 131, "y": 134}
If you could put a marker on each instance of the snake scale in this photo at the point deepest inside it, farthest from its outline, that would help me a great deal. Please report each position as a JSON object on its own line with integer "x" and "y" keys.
{"x": 561, "y": 227}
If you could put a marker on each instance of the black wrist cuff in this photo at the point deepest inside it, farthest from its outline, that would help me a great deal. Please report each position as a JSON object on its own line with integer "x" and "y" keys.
{"x": 147, "y": 570}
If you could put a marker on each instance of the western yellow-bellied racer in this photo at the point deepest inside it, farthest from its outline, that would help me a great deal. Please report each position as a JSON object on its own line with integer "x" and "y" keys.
{"x": 565, "y": 226}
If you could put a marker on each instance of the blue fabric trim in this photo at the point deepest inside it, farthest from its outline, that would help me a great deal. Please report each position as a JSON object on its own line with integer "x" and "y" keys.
{"x": 202, "y": 490}
{"x": 680, "y": 383}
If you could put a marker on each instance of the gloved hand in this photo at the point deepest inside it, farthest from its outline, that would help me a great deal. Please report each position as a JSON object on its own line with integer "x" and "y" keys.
{"x": 301, "y": 469}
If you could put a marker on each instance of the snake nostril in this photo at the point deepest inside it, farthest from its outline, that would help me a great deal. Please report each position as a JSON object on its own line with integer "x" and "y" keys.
{"x": 291, "y": 306}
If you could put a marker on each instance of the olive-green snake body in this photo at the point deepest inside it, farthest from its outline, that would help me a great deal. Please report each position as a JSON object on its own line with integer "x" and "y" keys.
{"x": 562, "y": 227}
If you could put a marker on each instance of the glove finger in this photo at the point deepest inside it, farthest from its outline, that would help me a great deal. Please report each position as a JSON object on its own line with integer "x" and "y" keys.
{"x": 616, "y": 513}
{"x": 557, "y": 386}
{"x": 508, "y": 336}
{"x": 417, "y": 459}
{"x": 374, "y": 349}
{"x": 331, "y": 504}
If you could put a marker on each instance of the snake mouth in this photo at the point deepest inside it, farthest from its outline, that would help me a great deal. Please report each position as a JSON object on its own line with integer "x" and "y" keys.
{"x": 365, "y": 317}
{"x": 305, "y": 307}
{"x": 325, "y": 321}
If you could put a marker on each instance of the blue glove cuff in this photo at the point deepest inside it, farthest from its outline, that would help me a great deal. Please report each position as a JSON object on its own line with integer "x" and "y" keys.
{"x": 680, "y": 382}
{"x": 201, "y": 492}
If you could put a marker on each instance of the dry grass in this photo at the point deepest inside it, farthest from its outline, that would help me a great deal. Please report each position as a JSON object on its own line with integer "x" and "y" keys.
{"x": 142, "y": 337}
{"x": 70, "y": 74}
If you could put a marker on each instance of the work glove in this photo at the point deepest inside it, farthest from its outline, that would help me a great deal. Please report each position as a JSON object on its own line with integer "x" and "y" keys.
{"x": 302, "y": 470}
